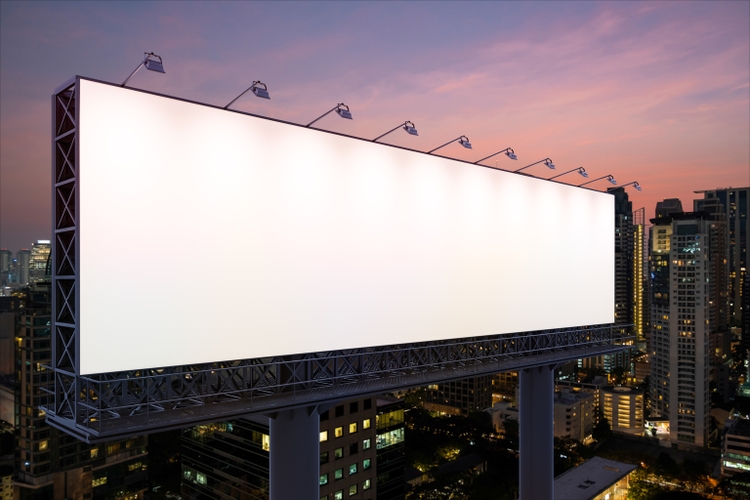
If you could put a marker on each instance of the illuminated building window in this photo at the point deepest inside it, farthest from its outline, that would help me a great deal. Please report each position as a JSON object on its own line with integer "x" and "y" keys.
{"x": 366, "y": 485}
{"x": 352, "y": 490}
{"x": 352, "y": 427}
{"x": 353, "y": 469}
{"x": 323, "y": 436}
{"x": 366, "y": 444}
{"x": 366, "y": 464}
{"x": 323, "y": 479}
{"x": 366, "y": 423}
{"x": 338, "y": 474}
{"x": 338, "y": 432}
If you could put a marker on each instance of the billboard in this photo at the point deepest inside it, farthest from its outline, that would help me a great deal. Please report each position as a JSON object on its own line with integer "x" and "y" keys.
{"x": 211, "y": 235}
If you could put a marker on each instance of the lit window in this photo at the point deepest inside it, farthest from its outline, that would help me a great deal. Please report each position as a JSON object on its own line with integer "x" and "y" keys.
{"x": 352, "y": 427}
{"x": 366, "y": 464}
{"x": 366, "y": 444}
{"x": 323, "y": 479}
{"x": 353, "y": 469}
{"x": 323, "y": 436}
{"x": 266, "y": 442}
{"x": 98, "y": 481}
{"x": 352, "y": 490}
{"x": 338, "y": 453}
{"x": 338, "y": 474}
{"x": 339, "y": 495}
{"x": 338, "y": 432}
{"x": 43, "y": 445}
{"x": 94, "y": 452}
{"x": 366, "y": 485}
{"x": 366, "y": 423}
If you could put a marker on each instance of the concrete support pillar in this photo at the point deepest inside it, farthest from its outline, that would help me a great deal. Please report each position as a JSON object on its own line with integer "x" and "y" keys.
{"x": 536, "y": 433}
{"x": 295, "y": 454}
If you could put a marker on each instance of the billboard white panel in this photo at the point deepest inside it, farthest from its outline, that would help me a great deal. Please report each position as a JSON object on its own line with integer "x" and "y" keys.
{"x": 210, "y": 235}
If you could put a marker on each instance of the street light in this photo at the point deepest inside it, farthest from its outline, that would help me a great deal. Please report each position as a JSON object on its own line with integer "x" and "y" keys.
{"x": 151, "y": 61}
{"x": 546, "y": 161}
{"x": 608, "y": 177}
{"x": 508, "y": 152}
{"x": 463, "y": 140}
{"x": 580, "y": 170}
{"x": 341, "y": 108}
{"x": 261, "y": 92}
{"x": 407, "y": 125}
{"x": 634, "y": 184}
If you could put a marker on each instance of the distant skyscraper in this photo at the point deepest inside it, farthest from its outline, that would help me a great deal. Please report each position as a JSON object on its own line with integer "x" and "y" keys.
{"x": 680, "y": 264}
{"x": 6, "y": 259}
{"x": 460, "y": 397}
{"x": 23, "y": 260}
{"x": 629, "y": 271}
{"x": 40, "y": 252}
{"x": 735, "y": 203}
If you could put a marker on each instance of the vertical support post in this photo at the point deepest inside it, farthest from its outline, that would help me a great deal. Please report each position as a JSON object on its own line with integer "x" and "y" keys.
{"x": 536, "y": 433}
{"x": 295, "y": 454}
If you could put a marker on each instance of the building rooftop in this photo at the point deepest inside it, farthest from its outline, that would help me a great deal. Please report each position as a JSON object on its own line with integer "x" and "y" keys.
{"x": 590, "y": 478}
{"x": 739, "y": 427}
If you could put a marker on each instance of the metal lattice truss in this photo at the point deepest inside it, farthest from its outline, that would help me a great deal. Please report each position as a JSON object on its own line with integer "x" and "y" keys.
{"x": 115, "y": 405}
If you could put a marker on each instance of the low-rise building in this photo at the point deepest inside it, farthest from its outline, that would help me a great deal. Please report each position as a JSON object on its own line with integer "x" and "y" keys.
{"x": 575, "y": 414}
{"x": 595, "y": 479}
{"x": 623, "y": 408}
{"x": 735, "y": 449}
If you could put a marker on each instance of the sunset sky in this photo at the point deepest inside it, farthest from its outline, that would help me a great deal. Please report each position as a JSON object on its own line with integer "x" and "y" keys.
{"x": 654, "y": 92}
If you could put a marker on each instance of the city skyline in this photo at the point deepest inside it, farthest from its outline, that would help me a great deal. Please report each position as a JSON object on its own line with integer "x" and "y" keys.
{"x": 649, "y": 92}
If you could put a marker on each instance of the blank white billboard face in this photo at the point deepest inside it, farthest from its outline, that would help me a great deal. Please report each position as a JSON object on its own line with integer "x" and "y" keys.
{"x": 208, "y": 235}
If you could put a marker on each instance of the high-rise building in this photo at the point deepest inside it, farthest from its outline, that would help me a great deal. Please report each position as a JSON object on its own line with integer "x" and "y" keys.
{"x": 6, "y": 259}
{"x": 681, "y": 292}
{"x": 23, "y": 260}
{"x": 735, "y": 203}
{"x": 49, "y": 463}
{"x": 361, "y": 454}
{"x": 460, "y": 397}
{"x": 38, "y": 259}
{"x": 629, "y": 272}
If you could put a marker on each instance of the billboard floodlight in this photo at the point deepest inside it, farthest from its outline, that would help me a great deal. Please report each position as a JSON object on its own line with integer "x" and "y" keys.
{"x": 634, "y": 184}
{"x": 408, "y": 126}
{"x": 341, "y": 108}
{"x": 580, "y": 170}
{"x": 508, "y": 152}
{"x": 608, "y": 177}
{"x": 463, "y": 140}
{"x": 259, "y": 91}
{"x": 546, "y": 161}
{"x": 151, "y": 61}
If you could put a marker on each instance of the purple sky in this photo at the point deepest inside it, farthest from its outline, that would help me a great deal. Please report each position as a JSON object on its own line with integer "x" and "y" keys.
{"x": 654, "y": 92}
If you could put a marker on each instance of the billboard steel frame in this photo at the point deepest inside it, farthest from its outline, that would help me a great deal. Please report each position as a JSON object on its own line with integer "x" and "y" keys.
{"x": 114, "y": 405}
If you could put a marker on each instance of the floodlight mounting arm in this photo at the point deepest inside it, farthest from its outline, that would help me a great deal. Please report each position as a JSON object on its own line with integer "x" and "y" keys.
{"x": 506, "y": 150}
{"x": 338, "y": 106}
{"x": 608, "y": 177}
{"x": 146, "y": 56}
{"x": 546, "y": 161}
{"x": 449, "y": 142}
{"x": 580, "y": 170}
{"x": 251, "y": 87}
{"x": 634, "y": 184}
{"x": 407, "y": 123}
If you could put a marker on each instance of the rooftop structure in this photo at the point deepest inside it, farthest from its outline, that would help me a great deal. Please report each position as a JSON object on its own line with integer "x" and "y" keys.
{"x": 595, "y": 478}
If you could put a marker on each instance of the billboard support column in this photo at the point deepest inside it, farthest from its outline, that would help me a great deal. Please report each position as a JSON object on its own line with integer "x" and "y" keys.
{"x": 536, "y": 433}
{"x": 295, "y": 454}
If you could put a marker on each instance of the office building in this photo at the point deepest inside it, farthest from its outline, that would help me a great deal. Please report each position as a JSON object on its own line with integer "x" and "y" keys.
{"x": 6, "y": 260}
{"x": 735, "y": 448}
{"x": 391, "y": 448}
{"x": 38, "y": 260}
{"x": 225, "y": 460}
{"x": 50, "y": 464}
{"x": 23, "y": 260}
{"x": 361, "y": 454}
{"x": 460, "y": 397}
{"x": 623, "y": 408}
{"x": 575, "y": 414}
{"x": 735, "y": 203}
{"x": 681, "y": 290}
